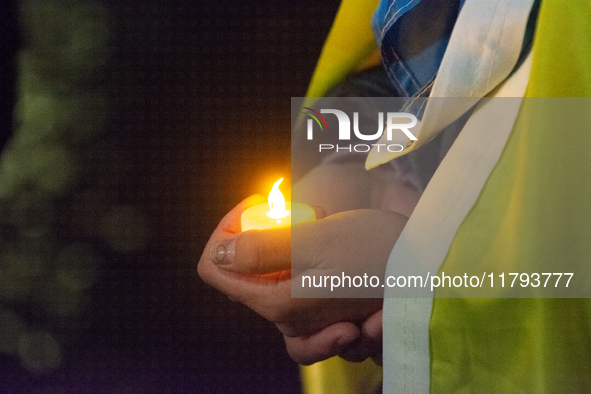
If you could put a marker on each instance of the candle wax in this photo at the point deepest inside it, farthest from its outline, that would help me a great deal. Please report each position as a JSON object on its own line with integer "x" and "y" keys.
{"x": 256, "y": 217}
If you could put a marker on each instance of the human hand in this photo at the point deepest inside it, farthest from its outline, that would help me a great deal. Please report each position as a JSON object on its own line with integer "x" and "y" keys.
{"x": 253, "y": 267}
{"x": 349, "y": 341}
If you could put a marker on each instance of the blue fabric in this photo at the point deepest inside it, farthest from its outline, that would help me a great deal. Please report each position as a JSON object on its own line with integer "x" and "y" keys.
{"x": 413, "y": 36}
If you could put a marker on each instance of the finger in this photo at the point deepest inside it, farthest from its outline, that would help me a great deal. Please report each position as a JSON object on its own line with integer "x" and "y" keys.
{"x": 372, "y": 326}
{"x": 370, "y": 342}
{"x": 373, "y": 329}
{"x": 378, "y": 359}
{"x": 358, "y": 351}
{"x": 254, "y": 252}
{"x": 362, "y": 349}
{"x": 323, "y": 344}
{"x": 235, "y": 285}
{"x": 257, "y": 251}
{"x": 229, "y": 225}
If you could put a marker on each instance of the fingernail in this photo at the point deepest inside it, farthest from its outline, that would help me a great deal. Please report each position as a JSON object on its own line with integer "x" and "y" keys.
{"x": 222, "y": 253}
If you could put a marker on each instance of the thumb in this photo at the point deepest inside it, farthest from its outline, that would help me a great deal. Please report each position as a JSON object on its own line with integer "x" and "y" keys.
{"x": 257, "y": 251}
{"x": 254, "y": 251}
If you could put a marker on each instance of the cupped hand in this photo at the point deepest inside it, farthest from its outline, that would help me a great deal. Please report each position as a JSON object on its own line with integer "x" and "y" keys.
{"x": 349, "y": 341}
{"x": 255, "y": 268}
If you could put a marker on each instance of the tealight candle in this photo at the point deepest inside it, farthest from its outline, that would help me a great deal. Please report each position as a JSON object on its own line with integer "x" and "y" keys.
{"x": 277, "y": 213}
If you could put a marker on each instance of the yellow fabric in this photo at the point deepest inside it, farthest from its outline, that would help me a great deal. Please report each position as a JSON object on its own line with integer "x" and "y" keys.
{"x": 534, "y": 211}
{"x": 349, "y": 46}
{"x": 562, "y": 56}
{"x": 349, "y": 43}
{"x": 336, "y": 375}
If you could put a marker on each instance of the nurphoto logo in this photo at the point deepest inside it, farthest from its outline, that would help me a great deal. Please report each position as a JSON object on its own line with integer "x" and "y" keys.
{"x": 393, "y": 124}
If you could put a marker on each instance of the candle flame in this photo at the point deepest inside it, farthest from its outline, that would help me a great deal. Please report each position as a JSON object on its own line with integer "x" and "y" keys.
{"x": 277, "y": 203}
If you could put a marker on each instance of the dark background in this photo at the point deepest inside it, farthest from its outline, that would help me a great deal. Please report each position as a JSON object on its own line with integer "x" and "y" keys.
{"x": 201, "y": 119}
